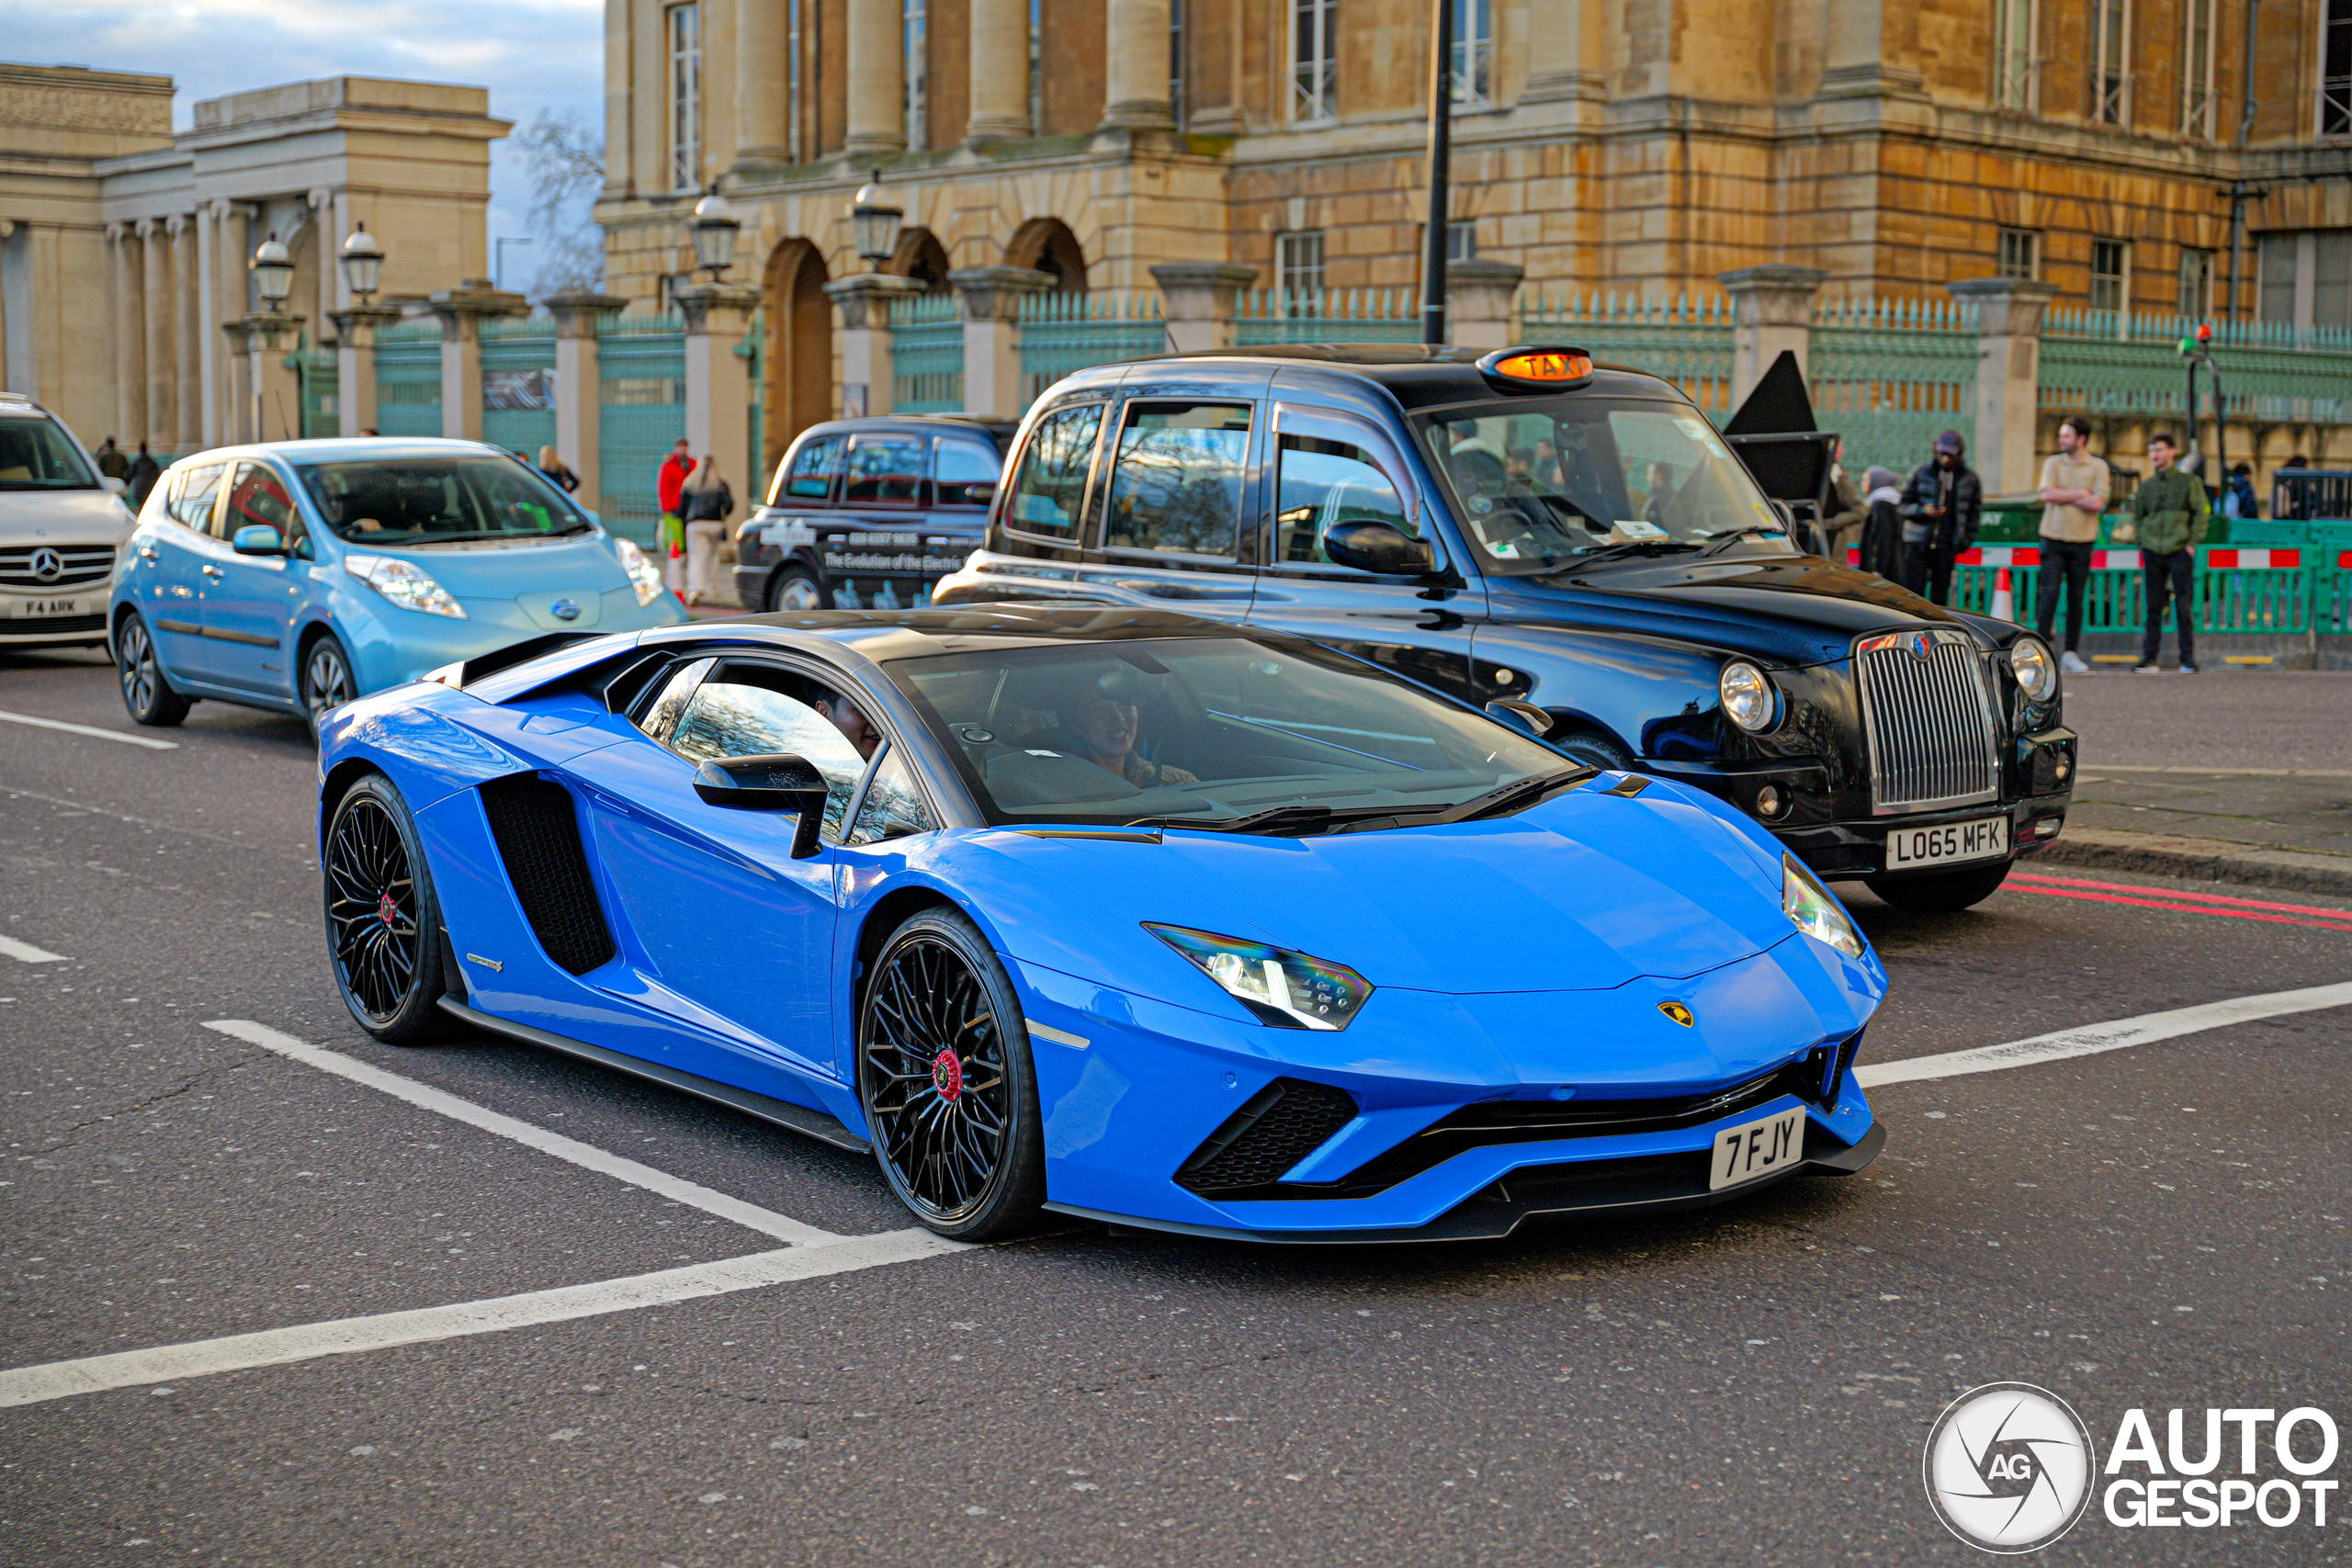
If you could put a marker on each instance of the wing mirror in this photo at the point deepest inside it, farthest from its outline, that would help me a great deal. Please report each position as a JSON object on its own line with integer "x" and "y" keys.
{"x": 1380, "y": 547}
{"x": 779, "y": 782}
{"x": 1522, "y": 715}
{"x": 115, "y": 486}
{"x": 257, "y": 539}
{"x": 979, "y": 494}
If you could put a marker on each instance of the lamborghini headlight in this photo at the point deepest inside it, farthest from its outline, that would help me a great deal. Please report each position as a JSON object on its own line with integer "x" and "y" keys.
{"x": 1748, "y": 699}
{"x": 409, "y": 587}
{"x": 2037, "y": 672}
{"x": 1289, "y": 990}
{"x": 643, "y": 575}
{"x": 1811, "y": 910}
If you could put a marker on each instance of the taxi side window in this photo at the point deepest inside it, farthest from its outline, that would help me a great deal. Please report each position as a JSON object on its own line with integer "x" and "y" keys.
{"x": 884, "y": 470}
{"x": 1051, "y": 484}
{"x": 893, "y": 806}
{"x": 1176, "y": 485}
{"x": 191, "y": 504}
{"x": 962, "y": 464}
{"x": 1322, "y": 482}
{"x": 810, "y": 474}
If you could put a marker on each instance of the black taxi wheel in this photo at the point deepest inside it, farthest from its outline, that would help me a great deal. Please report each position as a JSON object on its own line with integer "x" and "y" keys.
{"x": 1596, "y": 750}
{"x": 383, "y": 921}
{"x": 1939, "y": 892}
{"x": 796, "y": 590}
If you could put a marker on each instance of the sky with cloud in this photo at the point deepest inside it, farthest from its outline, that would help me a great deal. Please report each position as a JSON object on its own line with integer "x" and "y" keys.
{"x": 531, "y": 54}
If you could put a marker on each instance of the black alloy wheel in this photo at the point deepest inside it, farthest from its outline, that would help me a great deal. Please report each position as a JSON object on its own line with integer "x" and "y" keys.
{"x": 145, "y": 692}
{"x": 327, "y": 679}
{"x": 383, "y": 922}
{"x": 1941, "y": 892}
{"x": 796, "y": 590}
{"x": 944, "y": 1076}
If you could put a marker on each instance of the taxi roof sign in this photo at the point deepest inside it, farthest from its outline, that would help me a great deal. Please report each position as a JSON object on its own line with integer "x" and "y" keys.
{"x": 1538, "y": 366}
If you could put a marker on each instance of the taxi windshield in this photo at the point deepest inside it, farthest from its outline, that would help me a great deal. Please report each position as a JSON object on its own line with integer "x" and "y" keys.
{"x": 1543, "y": 484}
{"x": 436, "y": 499}
{"x": 1211, "y": 733}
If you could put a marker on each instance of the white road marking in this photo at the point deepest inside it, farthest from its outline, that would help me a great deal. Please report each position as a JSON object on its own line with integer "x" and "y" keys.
{"x": 26, "y": 952}
{"x": 2092, "y": 1039}
{"x": 351, "y": 1335}
{"x": 749, "y": 1215}
{"x": 147, "y": 740}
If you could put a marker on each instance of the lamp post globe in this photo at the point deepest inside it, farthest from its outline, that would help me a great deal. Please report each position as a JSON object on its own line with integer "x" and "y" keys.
{"x": 875, "y": 221}
{"x": 273, "y": 271}
{"x": 363, "y": 263}
{"x": 715, "y": 229}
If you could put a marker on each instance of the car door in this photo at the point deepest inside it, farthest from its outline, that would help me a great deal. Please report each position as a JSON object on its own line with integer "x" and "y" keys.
{"x": 249, "y": 601}
{"x": 965, "y": 472}
{"x": 1178, "y": 517}
{"x": 170, "y": 583}
{"x": 873, "y": 561}
{"x": 1329, "y": 468}
{"x": 735, "y": 934}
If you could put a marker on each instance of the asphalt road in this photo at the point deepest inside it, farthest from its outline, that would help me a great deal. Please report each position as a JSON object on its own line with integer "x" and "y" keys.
{"x": 2168, "y": 1224}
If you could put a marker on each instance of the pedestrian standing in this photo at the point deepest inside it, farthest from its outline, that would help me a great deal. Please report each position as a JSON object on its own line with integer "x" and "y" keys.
{"x": 708, "y": 503}
{"x": 558, "y": 472}
{"x": 141, "y": 476}
{"x": 2237, "y": 496}
{"x": 2284, "y": 502}
{"x": 2074, "y": 490}
{"x": 2169, "y": 513}
{"x": 669, "y": 487}
{"x": 112, "y": 464}
{"x": 1882, "y": 528}
{"x": 1940, "y": 509}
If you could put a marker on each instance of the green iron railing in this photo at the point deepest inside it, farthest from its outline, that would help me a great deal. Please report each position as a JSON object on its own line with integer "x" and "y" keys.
{"x": 1686, "y": 340}
{"x": 1330, "y": 315}
{"x": 1064, "y": 331}
{"x": 1890, "y": 375}
{"x": 2100, "y": 362}
{"x": 518, "y": 383}
{"x": 641, "y": 413}
{"x": 926, "y": 354}
{"x": 408, "y": 379}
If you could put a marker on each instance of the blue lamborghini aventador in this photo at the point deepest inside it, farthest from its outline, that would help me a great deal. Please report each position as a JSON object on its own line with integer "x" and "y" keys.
{"x": 1108, "y": 912}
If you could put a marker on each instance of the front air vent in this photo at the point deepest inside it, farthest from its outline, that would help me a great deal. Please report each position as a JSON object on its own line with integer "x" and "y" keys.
{"x": 1282, "y": 1125}
{"x": 539, "y": 837}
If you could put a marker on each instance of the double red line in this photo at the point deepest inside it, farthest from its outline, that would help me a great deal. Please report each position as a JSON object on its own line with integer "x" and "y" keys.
{"x": 2051, "y": 887}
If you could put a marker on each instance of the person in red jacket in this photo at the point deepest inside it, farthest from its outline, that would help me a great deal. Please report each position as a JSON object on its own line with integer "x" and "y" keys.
{"x": 670, "y": 485}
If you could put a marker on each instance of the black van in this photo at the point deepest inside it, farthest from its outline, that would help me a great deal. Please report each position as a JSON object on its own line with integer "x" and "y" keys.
{"x": 869, "y": 513}
{"x": 1573, "y": 546}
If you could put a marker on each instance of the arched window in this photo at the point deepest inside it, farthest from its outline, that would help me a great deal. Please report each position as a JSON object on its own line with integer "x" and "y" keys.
{"x": 1047, "y": 246}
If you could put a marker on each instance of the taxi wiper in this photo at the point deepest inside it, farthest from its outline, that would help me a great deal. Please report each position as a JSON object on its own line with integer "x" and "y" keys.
{"x": 1624, "y": 548}
{"x": 1727, "y": 539}
{"x": 1510, "y": 797}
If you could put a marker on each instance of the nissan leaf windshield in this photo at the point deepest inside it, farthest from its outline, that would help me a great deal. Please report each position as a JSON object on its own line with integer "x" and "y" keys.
{"x": 1540, "y": 484}
{"x": 1224, "y": 734}
{"x": 434, "y": 499}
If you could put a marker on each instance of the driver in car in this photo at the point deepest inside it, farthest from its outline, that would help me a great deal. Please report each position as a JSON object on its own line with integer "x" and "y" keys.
{"x": 1109, "y": 725}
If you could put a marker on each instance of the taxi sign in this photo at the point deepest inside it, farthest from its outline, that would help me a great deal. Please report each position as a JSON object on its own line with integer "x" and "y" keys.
{"x": 1538, "y": 366}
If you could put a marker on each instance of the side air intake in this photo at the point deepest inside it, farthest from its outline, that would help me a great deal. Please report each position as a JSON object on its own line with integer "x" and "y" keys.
{"x": 539, "y": 837}
{"x": 1281, "y": 1124}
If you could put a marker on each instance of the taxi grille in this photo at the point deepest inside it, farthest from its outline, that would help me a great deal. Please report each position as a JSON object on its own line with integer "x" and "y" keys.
{"x": 73, "y": 565}
{"x": 1928, "y": 714}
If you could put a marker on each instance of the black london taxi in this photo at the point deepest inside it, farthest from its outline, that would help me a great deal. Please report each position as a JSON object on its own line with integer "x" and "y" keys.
{"x": 1570, "y": 545}
{"x": 869, "y": 513}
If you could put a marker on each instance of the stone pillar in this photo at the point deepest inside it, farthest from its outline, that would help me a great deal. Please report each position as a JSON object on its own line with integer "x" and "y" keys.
{"x": 1135, "y": 76}
{"x": 1478, "y": 294}
{"x": 461, "y": 311}
{"x": 227, "y": 297}
{"x": 2008, "y": 379}
{"x": 187, "y": 433}
{"x": 865, "y": 300}
{"x": 1198, "y": 301}
{"x": 1563, "y": 51}
{"x": 760, "y": 69}
{"x": 129, "y": 343}
{"x": 1869, "y": 49}
{"x": 354, "y": 363}
{"x": 579, "y": 386}
{"x": 269, "y": 395}
{"x": 620, "y": 101}
{"x": 1771, "y": 312}
{"x": 989, "y": 298}
{"x": 718, "y": 381}
{"x": 156, "y": 303}
{"x": 877, "y": 118}
{"x": 1000, "y": 76}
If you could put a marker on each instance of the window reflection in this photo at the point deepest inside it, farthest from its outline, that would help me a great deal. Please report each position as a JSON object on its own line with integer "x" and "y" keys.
{"x": 893, "y": 807}
{"x": 729, "y": 716}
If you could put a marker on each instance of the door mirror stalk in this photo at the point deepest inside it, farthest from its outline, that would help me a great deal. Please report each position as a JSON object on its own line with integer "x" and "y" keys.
{"x": 1522, "y": 715}
{"x": 257, "y": 539}
{"x": 776, "y": 782}
{"x": 1381, "y": 548}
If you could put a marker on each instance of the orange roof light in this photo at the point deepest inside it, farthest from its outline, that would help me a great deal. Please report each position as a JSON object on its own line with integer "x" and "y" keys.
{"x": 1547, "y": 366}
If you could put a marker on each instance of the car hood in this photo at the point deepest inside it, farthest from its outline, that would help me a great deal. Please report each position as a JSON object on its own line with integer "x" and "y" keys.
{"x": 1584, "y": 892}
{"x": 506, "y": 569}
{"x": 63, "y": 518}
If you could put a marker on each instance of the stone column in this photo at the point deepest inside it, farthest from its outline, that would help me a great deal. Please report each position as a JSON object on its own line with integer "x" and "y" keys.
{"x": 1198, "y": 299}
{"x": 2008, "y": 379}
{"x": 718, "y": 381}
{"x": 1478, "y": 294}
{"x": 228, "y": 298}
{"x": 1136, "y": 77}
{"x": 461, "y": 311}
{"x": 187, "y": 400}
{"x": 1771, "y": 312}
{"x": 1563, "y": 51}
{"x": 155, "y": 301}
{"x": 989, "y": 299}
{"x": 865, "y": 300}
{"x": 620, "y": 117}
{"x": 579, "y": 386}
{"x": 269, "y": 395}
{"x": 877, "y": 82}
{"x": 1000, "y": 76}
{"x": 1869, "y": 49}
{"x": 129, "y": 343}
{"x": 760, "y": 67}
{"x": 354, "y": 363}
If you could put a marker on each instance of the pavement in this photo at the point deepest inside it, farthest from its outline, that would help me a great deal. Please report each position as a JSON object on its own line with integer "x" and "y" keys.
{"x": 2166, "y": 1222}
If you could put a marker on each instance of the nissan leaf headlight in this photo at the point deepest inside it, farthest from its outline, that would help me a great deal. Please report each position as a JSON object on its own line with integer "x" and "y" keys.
{"x": 1748, "y": 699}
{"x": 1289, "y": 990}
{"x": 409, "y": 587}
{"x": 2037, "y": 672}
{"x": 1811, "y": 910}
{"x": 643, "y": 575}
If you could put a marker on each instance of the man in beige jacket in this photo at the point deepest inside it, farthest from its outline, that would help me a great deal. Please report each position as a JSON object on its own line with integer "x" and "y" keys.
{"x": 2074, "y": 490}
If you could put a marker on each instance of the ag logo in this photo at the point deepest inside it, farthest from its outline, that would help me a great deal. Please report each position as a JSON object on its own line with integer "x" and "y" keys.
{"x": 2009, "y": 1467}
{"x": 1678, "y": 1013}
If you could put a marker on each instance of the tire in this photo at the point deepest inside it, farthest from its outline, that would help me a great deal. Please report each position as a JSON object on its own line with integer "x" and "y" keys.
{"x": 326, "y": 682}
{"x": 934, "y": 1088}
{"x": 383, "y": 920}
{"x": 796, "y": 590}
{"x": 1593, "y": 748}
{"x": 1941, "y": 892}
{"x": 145, "y": 692}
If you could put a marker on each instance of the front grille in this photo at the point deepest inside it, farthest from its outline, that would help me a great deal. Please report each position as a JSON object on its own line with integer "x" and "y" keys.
{"x": 78, "y": 564}
{"x": 1930, "y": 717}
{"x": 539, "y": 837}
{"x": 1281, "y": 1124}
{"x": 52, "y": 625}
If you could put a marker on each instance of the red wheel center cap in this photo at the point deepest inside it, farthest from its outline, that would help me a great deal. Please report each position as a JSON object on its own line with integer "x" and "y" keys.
{"x": 947, "y": 1076}
{"x": 387, "y": 911}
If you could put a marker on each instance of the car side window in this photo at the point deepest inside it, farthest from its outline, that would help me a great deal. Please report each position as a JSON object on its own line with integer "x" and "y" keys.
{"x": 1176, "y": 484}
{"x": 191, "y": 506}
{"x": 258, "y": 495}
{"x": 661, "y": 714}
{"x": 1323, "y": 482}
{"x": 810, "y": 474}
{"x": 757, "y": 710}
{"x": 884, "y": 470}
{"x": 960, "y": 465}
{"x": 893, "y": 806}
{"x": 1051, "y": 484}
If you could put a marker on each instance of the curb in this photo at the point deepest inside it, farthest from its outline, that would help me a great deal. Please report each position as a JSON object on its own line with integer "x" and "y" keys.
{"x": 2205, "y": 859}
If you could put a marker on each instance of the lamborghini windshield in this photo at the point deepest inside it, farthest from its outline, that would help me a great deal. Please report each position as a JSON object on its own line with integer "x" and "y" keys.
{"x": 1545, "y": 483}
{"x": 1213, "y": 732}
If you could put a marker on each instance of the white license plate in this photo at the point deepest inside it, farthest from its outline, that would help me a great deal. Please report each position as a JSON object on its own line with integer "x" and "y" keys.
{"x": 41, "y": 609}
{"x": 1756, "y": 1149}
{"x": 1988, "y": 837}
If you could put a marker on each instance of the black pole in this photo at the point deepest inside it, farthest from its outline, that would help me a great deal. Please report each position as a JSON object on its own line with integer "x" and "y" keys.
{"x": 1440, "y": 172}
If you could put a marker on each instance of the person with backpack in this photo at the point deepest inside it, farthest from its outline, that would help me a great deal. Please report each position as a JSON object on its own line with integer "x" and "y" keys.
{"x": 708, "y": 503}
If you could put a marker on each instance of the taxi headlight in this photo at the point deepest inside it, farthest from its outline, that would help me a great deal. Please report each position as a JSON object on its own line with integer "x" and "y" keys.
{"x": 1749, "y": 698}
{"x": 409, "y": 587}
{"x": 1811, "y": 910}
{"x": 643, "y": 575}
{"x": 2037, "y": 672}
{"x": 1289, "y": 990}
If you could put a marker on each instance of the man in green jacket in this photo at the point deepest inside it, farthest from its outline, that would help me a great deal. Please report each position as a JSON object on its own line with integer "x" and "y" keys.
{"x": 2168, "y": 514}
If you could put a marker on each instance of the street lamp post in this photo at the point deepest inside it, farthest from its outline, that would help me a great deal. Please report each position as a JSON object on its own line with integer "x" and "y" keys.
{"x": 362, "y": 260}
{"x": 716, "y": 228}
{"x": 264, "y": 332}
{"x": 363, "y": 264}
{"x": 1440, "y": 157}
{"x": 875, "y": 222}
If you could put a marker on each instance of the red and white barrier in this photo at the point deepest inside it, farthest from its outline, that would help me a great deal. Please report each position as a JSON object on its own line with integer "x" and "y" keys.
{"x": 2275, "y": 560}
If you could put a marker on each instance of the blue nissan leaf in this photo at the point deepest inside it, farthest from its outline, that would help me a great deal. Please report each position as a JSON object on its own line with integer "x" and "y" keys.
{"x": 297, "y": 575}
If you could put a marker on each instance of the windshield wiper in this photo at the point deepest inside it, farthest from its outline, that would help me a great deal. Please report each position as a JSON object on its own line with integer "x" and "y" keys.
{"x": 1624, "y": 548}
{"x": 1511, "y": 797}
{"x": 1295, "y": 821}
{"x": 1726, "y": 540}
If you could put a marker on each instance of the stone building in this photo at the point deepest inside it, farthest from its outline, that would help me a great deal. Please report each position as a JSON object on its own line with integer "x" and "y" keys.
{"x": 125, "y": 243}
